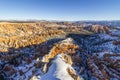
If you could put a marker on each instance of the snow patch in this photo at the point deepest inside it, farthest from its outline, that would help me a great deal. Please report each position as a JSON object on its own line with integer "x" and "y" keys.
{"x": 57, "y": 71}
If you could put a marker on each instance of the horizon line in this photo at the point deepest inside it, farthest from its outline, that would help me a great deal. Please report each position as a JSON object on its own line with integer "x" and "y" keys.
{"x": 53, "y": 20}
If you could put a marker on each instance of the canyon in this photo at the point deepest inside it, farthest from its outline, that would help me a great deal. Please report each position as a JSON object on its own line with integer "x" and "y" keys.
{"x": 49, "y": 50}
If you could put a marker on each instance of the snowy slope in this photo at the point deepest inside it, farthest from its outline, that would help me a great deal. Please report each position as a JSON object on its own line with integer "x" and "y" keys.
{"x": 57, "y": 71}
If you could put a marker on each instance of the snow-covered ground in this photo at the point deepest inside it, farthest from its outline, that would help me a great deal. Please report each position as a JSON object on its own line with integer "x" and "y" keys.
{"x": 96, "y": 44}
{"x": 58, "y": 70}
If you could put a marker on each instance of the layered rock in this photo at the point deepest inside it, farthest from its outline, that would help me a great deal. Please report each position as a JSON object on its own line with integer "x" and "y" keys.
{"x": 37, "y": 51}
{"x": 25, "y": 34}
{"x": 66, "y": 46}
{"x": 97, "y": 28}
{"x": 105, "y": 67}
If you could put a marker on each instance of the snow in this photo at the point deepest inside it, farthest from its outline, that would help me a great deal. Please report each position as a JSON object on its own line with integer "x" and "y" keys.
{"x": 100, "y": 54}
{"x": 107, "y": 37}
{"x": 27, "y": 70}
{"x": 96, "y": 44}
{"x": 67, "y": 41}
{"x": 57, "y": 71}
{"x": 115, "y": 32}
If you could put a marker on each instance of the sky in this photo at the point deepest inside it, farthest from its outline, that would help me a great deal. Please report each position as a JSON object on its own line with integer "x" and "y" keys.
{"x": 67, "y": 10}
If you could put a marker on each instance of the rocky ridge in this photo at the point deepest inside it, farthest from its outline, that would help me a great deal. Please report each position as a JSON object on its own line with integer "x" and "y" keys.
{"x": 52, "y": 54}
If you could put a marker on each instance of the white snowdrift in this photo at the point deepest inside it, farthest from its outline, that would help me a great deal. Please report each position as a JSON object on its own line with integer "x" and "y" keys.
{"x": 57, "y": 71}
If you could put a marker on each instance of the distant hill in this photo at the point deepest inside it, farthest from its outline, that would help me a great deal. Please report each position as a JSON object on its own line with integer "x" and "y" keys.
{"x": 114, "y": 23}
